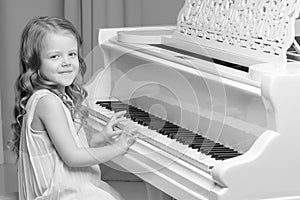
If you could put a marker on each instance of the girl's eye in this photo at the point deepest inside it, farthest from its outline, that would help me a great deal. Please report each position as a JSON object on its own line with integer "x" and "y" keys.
{"x": 73, "y": 54}
{"x": 54, "y": 56}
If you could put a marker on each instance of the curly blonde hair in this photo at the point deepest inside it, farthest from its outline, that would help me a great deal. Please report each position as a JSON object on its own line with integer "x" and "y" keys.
{"x": 29, "y": 79}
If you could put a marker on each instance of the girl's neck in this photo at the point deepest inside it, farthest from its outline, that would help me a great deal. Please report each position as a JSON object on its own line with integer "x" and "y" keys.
{"x": 61, "y": 89}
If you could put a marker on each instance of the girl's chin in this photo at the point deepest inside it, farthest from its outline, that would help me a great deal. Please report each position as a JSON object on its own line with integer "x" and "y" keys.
{"x": 62, "y": 85}
{"x": 66, "y": 82}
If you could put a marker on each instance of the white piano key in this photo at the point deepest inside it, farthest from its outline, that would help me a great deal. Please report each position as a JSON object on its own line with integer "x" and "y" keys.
{"x": 178, "y": 149}
{"x": 162, "y": 142}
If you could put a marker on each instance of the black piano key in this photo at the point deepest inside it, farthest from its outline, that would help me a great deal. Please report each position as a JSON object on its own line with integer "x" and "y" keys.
{"x": 225, "y": 156}
{"x": 185, "y": 138}
{"x": 135, "y": 109}
{"x": 118, "y": 109}
{"x": 178, "y": 135}
{"x": 119, "y": 105}
{"x": 170, "y": 125}
{"x": 206, "y": 147}
{"x": 178, "y": 132}
{"x": 113, "y": 105}
{"x": 221, "y": 149}
{"x": 197, "y": 141}
{"x": 167, "y": 127}
{"x": 145, "y": 122}
{"x": 218, "y": 151}
{"x": 137, "y": 112}
{"x": 156, "y": 125}
{"x": 173, "y": 131}
{"x": 225, "y": 153}
{"x": 105, "y": 104}
{"x": 165, "y": 130}
{"x": 211, "y": 150}
{"x": 168, "y": 133}
{"x": 139, "y": 117}
{"x": 142, "y": 122}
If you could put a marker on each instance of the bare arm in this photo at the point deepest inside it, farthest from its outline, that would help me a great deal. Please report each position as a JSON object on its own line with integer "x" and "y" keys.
{"x": 51, "y": 113}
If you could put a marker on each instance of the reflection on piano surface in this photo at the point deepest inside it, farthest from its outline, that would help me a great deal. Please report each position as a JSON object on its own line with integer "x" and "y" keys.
{"x": 215, "y": 100}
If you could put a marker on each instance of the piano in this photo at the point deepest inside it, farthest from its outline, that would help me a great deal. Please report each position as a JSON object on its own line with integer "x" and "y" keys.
{"x": 215, "y": 99}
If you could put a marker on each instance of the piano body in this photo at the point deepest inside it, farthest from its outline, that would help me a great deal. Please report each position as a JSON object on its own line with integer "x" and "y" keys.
{"x": 216, "y": 98}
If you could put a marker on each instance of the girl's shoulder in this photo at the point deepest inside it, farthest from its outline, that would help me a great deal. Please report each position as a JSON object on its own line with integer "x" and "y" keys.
{"x": 48, "y": 103}
{"x": 46, "y": 97}
{"x": 43, "y": 97}
{"x": 41, "y": 92}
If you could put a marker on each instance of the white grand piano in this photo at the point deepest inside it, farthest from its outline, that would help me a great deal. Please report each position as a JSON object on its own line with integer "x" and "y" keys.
{"x": 216, "y": 100}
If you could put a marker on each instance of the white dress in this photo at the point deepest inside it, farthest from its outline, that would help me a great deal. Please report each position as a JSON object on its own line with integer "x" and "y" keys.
{"x": 41, "y": 172}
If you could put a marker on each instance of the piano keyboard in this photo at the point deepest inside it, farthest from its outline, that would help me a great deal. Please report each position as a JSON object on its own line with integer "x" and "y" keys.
{"x": 180, "y": 142}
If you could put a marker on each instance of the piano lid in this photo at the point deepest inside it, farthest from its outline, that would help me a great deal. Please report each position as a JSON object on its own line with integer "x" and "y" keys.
{"x": 250, "y": 28}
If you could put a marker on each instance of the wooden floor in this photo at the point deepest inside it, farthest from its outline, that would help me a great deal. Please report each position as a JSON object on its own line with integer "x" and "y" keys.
{"x": 130, "y": 190}
{"x": 8, "y": 182}
{"x": 8, "y": 185}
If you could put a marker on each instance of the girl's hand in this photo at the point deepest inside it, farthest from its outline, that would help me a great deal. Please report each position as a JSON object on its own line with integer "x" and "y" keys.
{"x": 127, "y": 138}
{"x": 110, "y": 131}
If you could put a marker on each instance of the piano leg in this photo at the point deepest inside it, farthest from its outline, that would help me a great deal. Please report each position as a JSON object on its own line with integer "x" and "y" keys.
{"x": 155, "y": 194}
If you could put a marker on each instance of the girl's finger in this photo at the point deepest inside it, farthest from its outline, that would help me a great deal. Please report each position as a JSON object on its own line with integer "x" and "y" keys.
{"x": 131, "y": 128}
{"x": 116, "y": 116}
{"x": 117, "y": 132}
{"x": 114, "y": 124}
{"x": 120, "y": 114}
{"x": 119, "y": 120}
{"x": 132, "y": 131}
{"x": 130, "y": 140}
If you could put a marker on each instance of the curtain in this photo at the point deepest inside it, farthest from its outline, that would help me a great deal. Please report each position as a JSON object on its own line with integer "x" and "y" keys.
{"x": 90, "y": 15}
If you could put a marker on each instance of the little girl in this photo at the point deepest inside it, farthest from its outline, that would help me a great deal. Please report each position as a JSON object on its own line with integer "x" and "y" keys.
{"x": 56, "y": 160}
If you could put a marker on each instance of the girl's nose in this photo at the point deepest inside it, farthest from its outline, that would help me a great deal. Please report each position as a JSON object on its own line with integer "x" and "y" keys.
{"x": 66, "y": 62}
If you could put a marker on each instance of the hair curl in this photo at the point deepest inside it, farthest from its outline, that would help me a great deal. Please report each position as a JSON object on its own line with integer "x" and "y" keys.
{"x": 29, "y": 79}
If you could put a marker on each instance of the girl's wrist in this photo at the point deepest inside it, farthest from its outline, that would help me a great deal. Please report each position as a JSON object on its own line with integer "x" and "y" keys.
{"x": 121, "y": 147}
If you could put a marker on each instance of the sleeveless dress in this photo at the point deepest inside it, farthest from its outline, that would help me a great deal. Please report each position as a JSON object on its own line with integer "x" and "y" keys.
{"x": 42, "y": 175}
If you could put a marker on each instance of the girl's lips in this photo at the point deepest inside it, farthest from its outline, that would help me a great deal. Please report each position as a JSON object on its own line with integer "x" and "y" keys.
{"x": 65, "y": 72}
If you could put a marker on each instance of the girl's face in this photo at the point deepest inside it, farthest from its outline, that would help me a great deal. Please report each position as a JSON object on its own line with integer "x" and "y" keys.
{"x": 59, "y": 59}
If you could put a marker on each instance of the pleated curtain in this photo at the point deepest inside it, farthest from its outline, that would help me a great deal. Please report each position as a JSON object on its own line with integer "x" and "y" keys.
{"x": 90, "y": 15}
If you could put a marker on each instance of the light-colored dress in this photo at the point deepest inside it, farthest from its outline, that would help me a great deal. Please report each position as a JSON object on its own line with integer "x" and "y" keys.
{"x": 42, "y": 175}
